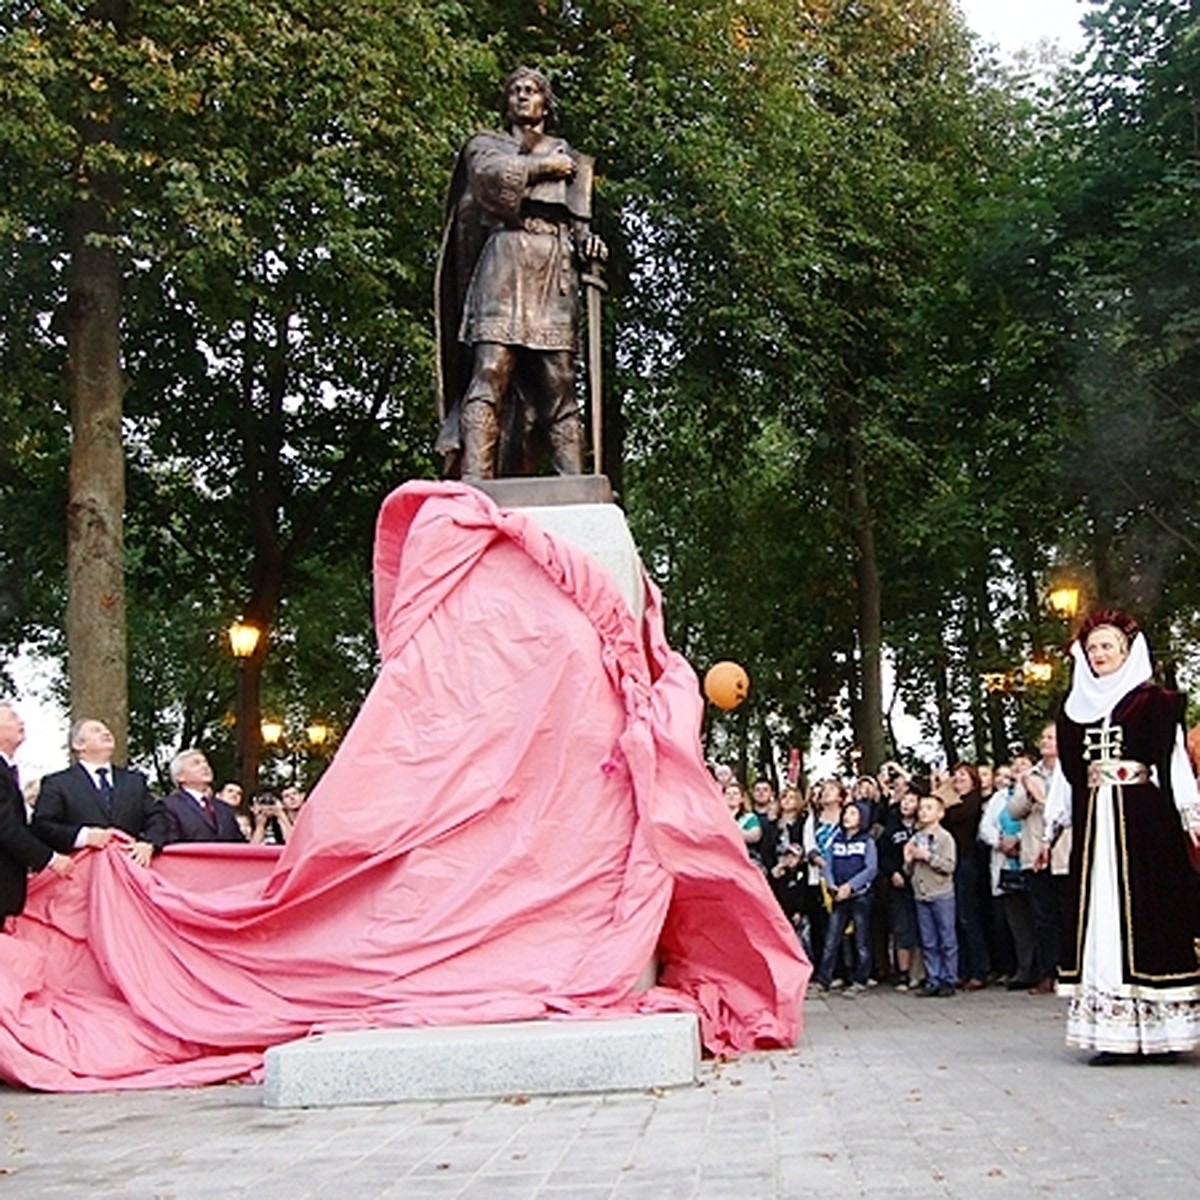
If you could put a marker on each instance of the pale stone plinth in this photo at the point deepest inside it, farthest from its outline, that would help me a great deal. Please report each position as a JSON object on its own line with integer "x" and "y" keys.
{"x": 373, "y": 1066}
{"x": 600, "y": 531}
{"x": 578, "y": 509}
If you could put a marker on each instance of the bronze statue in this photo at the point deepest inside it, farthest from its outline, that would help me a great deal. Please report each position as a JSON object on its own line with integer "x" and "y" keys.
{"x": 516, "y": 243}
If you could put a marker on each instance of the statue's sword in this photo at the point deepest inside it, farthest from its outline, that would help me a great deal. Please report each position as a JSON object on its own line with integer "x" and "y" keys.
{"x": 593, "y": 282}
{"x": 579, "y": 204}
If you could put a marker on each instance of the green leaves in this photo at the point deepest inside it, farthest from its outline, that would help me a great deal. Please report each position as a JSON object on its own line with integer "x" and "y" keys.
{"x": 875, "y": 315}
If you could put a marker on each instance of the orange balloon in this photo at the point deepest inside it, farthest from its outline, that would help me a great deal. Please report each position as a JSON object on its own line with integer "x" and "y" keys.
{"x": 726, "y": 685}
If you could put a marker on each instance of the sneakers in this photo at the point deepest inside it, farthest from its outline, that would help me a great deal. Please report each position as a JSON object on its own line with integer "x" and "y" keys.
{"x": 856, "y": 989}
{"x": 902, "y": 985}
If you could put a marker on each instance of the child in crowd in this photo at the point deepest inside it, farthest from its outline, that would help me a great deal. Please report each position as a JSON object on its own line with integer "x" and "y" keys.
{"x": 900, "y": 825}
{"x": 930, "y": 856}
{"x": 849, "y": 872}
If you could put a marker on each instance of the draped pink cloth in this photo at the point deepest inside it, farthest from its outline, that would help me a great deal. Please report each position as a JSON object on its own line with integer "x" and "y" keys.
{"x": 517, "y": 822}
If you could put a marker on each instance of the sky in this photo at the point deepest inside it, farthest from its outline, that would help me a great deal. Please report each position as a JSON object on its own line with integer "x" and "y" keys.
{"x": 1020, "y": 24}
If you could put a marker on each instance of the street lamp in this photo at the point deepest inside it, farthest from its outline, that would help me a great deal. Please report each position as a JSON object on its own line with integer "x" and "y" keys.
{"x": 1064, "y": 601}
{"x": 243, "y": 639}
{"x": 1038, "y": 671}
{"x": 243, "y": 642}
{"x": 317, "y": 736}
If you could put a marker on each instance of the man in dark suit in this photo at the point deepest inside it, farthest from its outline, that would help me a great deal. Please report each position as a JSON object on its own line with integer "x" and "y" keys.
{"x": 87, "y": 804}
{"x": 193, "y": 814}
{"x": 20, "y": 851}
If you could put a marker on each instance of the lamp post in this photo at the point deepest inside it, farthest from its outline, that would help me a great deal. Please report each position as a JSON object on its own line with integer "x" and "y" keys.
{"x": 1013, "y": 683}
{"x": 1064, "y": 601}
{"x": 316, "y": 737}
{"x": 243, "y": 642}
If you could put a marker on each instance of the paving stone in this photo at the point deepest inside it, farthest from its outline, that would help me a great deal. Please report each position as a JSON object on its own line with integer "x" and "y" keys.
{"x": 994, "y": 1090}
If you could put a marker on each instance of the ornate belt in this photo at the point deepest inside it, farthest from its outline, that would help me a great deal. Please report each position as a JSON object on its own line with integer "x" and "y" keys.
{"x": 1118, "y": 771}
{"x": 538, "y": 225}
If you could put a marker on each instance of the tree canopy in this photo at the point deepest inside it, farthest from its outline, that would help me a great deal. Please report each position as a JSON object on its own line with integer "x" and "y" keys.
{"x": 895, "y": 338}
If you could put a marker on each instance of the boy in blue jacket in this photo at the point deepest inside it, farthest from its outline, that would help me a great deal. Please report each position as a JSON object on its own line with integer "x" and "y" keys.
{"x": 850, "y": 869}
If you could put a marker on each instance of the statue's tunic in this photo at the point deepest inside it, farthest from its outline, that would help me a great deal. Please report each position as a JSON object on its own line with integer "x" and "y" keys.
{"x": 524, "y": 289}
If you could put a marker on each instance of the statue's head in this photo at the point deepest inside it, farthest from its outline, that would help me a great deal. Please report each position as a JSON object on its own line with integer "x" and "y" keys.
{"x": 528, "y": 75}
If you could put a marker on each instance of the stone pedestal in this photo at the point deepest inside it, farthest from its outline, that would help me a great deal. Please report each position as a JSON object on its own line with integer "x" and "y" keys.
{"x": 536, "y": 1057}
{"x": 374, "y": 1066}
{"x": 578, "y": 509}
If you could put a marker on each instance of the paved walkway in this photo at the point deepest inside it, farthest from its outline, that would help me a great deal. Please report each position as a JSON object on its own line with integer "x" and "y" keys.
{"x": 889, "y": 1096}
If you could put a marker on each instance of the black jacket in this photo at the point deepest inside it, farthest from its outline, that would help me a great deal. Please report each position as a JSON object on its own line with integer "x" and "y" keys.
{"x": 69, "y": 800}
{"x": 20, "y": 851}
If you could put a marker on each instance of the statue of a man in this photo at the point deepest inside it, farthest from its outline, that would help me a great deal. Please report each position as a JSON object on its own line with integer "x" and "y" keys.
{"x": 517, "y": 234}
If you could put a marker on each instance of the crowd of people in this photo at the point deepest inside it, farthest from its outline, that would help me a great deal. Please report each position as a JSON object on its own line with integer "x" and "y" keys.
{"x": 931, "y": 883}
{"x": 94, "y": 802}
{"x": 1077, "y": 876}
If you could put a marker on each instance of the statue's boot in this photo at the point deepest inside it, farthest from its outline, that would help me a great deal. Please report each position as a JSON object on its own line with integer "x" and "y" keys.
{"x": 480, "y": 436}
{"x": 566, "y": 444}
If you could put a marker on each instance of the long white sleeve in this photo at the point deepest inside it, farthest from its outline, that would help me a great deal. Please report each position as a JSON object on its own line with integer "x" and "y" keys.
{"x": 1058, "y": 802}
{"x": 1183, "y": 782}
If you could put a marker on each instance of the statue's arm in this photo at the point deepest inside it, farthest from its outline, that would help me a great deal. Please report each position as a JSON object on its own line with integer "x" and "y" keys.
{"x": 498, "y": 175}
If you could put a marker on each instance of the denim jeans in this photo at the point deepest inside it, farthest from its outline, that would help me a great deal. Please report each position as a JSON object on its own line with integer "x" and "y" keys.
{"x": 939, "y": 940}
{"x": 973, "y": 949}
{"x": 858, "y": 910}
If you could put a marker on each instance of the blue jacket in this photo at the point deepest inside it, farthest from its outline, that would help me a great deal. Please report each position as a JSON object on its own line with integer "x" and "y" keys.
{"x": 852, "y": 859}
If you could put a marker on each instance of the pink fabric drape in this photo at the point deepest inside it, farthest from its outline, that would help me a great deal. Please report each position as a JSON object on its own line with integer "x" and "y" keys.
{"x": 518, "y": 820}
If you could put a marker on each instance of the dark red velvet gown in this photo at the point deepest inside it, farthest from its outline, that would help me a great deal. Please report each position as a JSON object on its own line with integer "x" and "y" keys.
{"x": 1132, "y": 915}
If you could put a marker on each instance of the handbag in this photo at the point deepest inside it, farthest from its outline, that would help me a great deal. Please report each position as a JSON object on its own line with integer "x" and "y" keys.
{"x": 1013, "y": 879}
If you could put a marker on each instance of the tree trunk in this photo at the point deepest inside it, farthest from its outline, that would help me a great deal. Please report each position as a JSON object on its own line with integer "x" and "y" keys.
{"x": 945, "y": 708}
{"x": 91, "y": 319}
{"x": 766, "y": 755}
{"x": 267, "y": 572}
{"x": 869, "y": 710}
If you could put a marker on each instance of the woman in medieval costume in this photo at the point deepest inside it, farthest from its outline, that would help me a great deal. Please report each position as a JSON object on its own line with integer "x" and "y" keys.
{"x": 1125, "y": 785}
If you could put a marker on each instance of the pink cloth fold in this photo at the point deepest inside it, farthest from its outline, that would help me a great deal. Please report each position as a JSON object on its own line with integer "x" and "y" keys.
{"x": 516, "y": 823}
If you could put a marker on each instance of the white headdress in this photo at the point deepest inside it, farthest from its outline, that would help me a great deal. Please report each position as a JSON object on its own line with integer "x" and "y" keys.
{"x": 1093, "y": 696}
